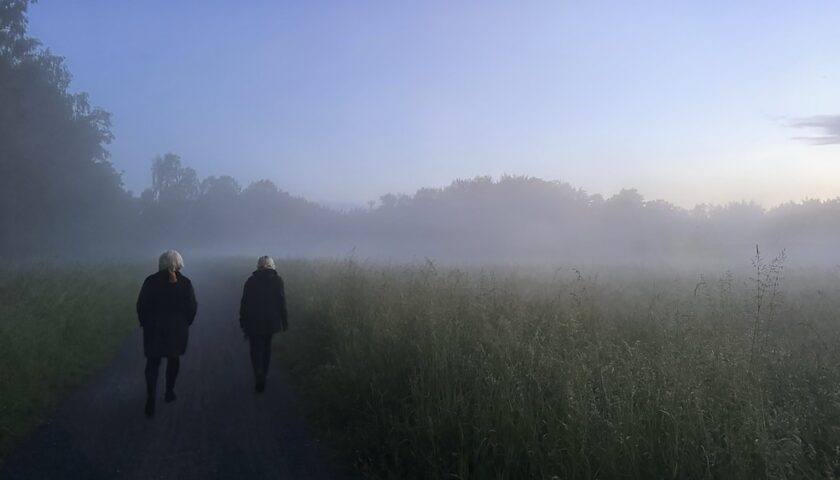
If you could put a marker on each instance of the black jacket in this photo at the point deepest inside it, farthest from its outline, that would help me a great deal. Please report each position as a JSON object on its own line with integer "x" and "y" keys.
{"x": 263, "y": 307}
{"x": 166, "y": 310}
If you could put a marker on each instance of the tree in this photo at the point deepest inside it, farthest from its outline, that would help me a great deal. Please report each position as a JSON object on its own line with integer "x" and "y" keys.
{"x": 261, "y": 189}
{"x": 222, "y": 188}
{"x": 173, "y": 183}
{"x": 57, "y": 186}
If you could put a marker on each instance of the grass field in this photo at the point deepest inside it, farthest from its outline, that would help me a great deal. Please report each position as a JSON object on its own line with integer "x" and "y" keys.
{"x": 427, "y": 372}
{"x": 57, "y": 324}
{"x": 420, "y": 372}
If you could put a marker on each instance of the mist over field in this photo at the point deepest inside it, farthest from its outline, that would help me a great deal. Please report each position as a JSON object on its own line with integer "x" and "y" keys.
{"x": 510, "y": 220}
{"x": 60, "y": 203}
{"x": 62, "y": 197}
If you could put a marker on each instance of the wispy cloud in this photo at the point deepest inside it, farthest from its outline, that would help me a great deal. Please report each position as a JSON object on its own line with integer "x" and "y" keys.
{"x": 827, "y": 125}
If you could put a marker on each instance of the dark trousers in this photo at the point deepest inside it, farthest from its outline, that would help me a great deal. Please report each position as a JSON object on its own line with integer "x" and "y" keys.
{"x": 173, "y": 364}
{"x": 260, "y": 354}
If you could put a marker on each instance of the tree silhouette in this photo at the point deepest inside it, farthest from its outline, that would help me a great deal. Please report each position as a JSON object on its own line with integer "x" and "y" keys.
{"x": 173, "y": 184}
{"x": 58, "y": 189}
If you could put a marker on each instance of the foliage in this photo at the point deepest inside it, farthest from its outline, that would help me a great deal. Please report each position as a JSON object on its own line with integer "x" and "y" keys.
{"x": 173, "y": 183}
{"x": 54, "y": 170}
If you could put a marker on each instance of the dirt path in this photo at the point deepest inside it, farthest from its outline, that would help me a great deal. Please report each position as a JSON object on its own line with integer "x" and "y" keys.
{"x": 218, "y": 427}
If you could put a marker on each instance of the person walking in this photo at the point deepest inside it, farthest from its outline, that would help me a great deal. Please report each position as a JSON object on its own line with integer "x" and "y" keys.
{"x": 166, "y": 308}
{"x": 262, "y": 313}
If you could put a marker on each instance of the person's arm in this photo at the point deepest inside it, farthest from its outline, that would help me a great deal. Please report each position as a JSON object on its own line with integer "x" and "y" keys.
{"x": 143, "y": 303}
{"x": 281, "y": 299}
{"x": 244, "y": 303}
{"x": 192, "y": 305}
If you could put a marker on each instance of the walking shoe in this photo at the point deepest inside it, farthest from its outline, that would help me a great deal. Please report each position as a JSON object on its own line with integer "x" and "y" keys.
{"x": 169, "y": 397}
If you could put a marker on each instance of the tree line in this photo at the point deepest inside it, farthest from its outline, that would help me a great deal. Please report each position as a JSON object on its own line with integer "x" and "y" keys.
{"x": 60, "y": 196}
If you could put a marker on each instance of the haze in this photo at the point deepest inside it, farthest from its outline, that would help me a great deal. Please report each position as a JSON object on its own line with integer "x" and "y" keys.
{"x": 342, "y": 102}
{"x": 461, "y": 133}
{"x": 533, "y": 239}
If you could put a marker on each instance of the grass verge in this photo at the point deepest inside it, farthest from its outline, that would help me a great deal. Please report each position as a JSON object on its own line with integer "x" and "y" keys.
{"x": 57, "y": 324}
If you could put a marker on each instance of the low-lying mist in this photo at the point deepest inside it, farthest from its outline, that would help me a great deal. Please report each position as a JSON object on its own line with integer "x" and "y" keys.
{"x": 512, "y": 221}
{"x": 61, "y": 198}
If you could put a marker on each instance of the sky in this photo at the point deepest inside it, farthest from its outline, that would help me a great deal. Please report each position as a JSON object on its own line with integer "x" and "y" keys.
{"x": 341, "y": 102}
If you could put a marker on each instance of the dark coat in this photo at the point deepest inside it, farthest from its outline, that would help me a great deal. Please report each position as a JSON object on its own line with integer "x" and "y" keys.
{"x": 166, "y": 310}
{"x": 263, "y": 307}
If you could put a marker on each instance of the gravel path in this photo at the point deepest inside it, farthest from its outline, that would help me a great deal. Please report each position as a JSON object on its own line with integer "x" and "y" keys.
{"x": 218, "y": 427}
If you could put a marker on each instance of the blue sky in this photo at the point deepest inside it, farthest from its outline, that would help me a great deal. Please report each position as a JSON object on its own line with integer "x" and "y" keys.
{"x": 344, "y": 101}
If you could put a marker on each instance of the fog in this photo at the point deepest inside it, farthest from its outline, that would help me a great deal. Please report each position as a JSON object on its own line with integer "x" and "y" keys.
{"x": 61, "y": 198}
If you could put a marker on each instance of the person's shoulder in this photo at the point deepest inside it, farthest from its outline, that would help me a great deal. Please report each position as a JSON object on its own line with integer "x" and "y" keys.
{"x": 184, "y": 278}
{"x": 151, "y": 278}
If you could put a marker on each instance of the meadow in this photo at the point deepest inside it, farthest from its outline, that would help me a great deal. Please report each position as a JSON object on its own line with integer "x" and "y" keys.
{"x": 428, "y": 372}
{"x": 425, "y": 371}
{"x": 57, "y": 325}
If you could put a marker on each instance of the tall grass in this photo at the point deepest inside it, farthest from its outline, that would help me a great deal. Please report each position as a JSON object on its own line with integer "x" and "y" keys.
{"x": 56, "y": 325}
{"x": 421, "y": 372}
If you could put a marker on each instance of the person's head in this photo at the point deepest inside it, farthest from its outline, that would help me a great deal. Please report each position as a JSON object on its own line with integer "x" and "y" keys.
{"x": 265, "y": 263}
{"x": 170, "y": 260}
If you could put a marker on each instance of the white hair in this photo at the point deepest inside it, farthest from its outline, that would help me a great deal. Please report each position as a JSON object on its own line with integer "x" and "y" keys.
{"x": 170, "y": 260}
{"x": 265, "y": 262}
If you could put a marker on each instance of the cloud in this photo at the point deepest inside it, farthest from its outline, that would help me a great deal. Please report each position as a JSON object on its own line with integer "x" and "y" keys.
{"x": 828, "y": 125}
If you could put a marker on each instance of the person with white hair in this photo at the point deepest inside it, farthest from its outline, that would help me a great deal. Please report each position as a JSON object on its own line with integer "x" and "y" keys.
{"x": 262, "y": 313}
{"x": 166, "y": 308}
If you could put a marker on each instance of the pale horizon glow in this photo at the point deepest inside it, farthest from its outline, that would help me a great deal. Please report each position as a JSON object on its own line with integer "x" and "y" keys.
{"x": 340, "y": 103}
